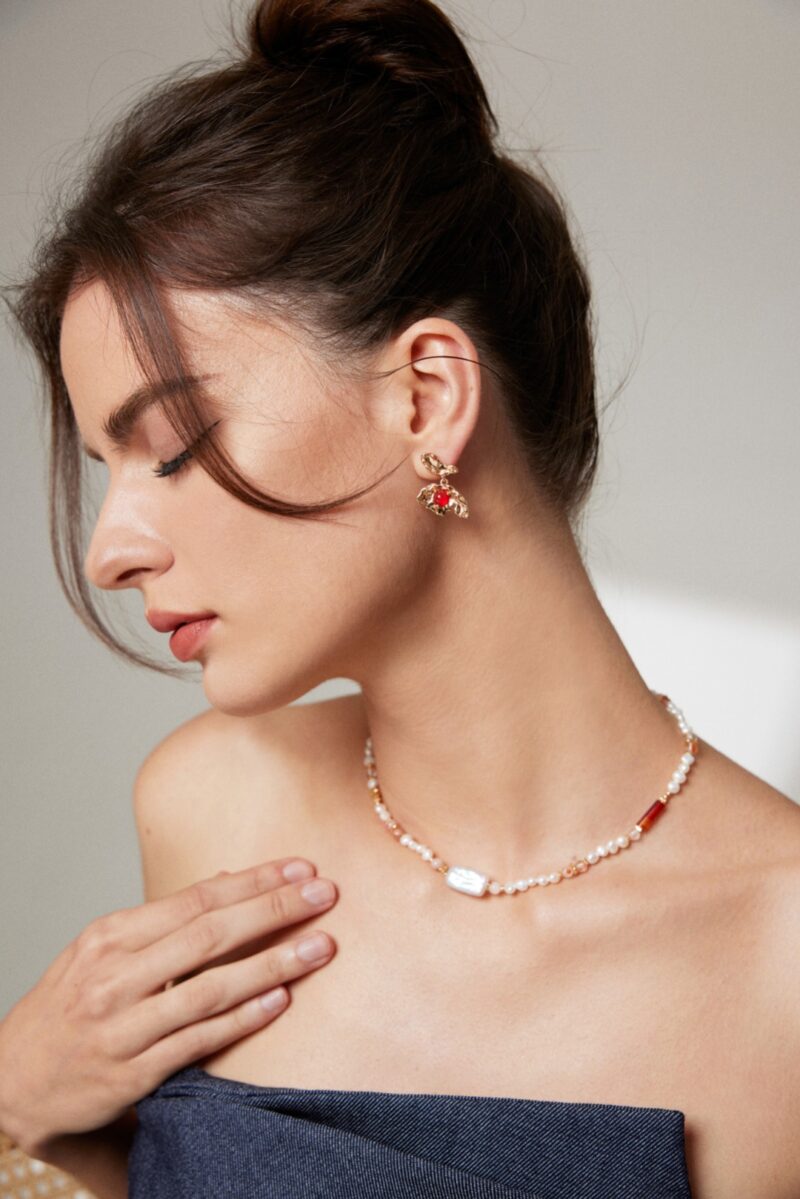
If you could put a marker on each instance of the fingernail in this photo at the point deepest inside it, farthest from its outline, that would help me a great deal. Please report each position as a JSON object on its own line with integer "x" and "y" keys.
{"x": 318, "y": 891}
{"x": 273, "y": 999}
{"x": 313, "y": 948}
{"x": 296, "y": 870}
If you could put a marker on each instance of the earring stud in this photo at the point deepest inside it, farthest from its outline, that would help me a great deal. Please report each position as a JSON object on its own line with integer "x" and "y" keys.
{"x": 441, "y": 497}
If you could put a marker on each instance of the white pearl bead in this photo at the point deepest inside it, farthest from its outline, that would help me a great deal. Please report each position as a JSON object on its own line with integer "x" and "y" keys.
{"x": 687, "y": 759}
{"x": 510, "y": 888}
{"x": 634, "y": 833}
{"x": 623, "y": 842}
{"x": 555, "y": 877}
{"x": 427, "y": 855}
{"x": 405, "y": 839}
{"x": 543, "y": 880}
{"x": 592, "y": 857}
{"x": 612, "y": 847}
{"x": 495, "y": 888}
{"x": 532, "y": 882}
{"x": 602, "y": 851}
{"x": 673, "y": 787}
{"x": 522, "y": 884}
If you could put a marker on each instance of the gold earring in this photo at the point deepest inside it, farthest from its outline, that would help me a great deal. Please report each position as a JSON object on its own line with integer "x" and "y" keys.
{"x": 441, "y": 497}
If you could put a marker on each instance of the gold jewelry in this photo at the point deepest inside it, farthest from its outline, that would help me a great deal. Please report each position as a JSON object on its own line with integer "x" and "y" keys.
{"x": 441, "y": 497}
{"x": 473, "y": 882}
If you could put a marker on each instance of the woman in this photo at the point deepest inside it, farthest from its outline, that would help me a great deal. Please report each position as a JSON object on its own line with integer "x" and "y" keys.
{"x": 335, "y": 349}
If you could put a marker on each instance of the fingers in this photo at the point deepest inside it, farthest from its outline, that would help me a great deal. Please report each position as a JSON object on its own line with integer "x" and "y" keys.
{"x": 198, "y": 1040}
{"x": 181, "y": 934}
{"x": 216, "y": 932}
{"x": 139, "y": 926}
{"x": 215, "y": 1001}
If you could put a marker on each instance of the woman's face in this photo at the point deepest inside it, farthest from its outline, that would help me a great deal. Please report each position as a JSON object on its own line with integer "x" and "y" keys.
{"x": 298, "y": 600}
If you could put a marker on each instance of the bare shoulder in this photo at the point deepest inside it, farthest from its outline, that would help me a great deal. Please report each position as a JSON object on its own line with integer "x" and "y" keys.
{"x": 754, "y": 821}
{"x": 731, "y": 926}
{"x": 755, "y": 829}
{"x": 757, "y": 868}
{"x": 206, "y": 794}
{"x": 737, "y": 845}
{"x": 768, "y": 972}
{"x": 771, "y": 821}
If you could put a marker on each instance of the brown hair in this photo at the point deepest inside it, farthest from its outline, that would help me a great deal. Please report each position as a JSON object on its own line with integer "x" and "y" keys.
{"x": 339, "y": 172}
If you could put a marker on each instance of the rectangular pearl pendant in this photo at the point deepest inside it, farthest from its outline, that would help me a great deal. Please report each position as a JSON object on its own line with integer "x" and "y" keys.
{"x": 469, "y": 882}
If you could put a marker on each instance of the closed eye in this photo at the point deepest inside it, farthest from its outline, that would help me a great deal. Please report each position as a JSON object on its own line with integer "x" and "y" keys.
{"x": 175, "y": 464}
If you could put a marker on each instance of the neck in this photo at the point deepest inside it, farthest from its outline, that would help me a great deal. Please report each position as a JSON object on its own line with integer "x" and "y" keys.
{"x": 510, "y": 726}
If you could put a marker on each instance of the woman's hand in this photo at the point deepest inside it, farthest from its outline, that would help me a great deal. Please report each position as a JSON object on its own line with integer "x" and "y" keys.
{"x": 103, "y": 1027}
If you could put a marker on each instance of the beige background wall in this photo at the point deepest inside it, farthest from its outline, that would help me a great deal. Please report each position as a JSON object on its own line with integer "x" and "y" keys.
{"x": 673, "y": 128}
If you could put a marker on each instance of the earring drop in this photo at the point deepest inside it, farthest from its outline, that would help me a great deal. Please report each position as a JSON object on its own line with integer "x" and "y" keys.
{"x": 441, "y": 497}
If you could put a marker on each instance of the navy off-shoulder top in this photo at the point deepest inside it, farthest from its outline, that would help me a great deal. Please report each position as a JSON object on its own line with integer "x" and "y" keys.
{"x": 202, "y": 1136}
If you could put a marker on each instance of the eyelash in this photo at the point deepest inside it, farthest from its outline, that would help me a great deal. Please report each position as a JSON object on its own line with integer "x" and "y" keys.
{"x": 164, "y": 469}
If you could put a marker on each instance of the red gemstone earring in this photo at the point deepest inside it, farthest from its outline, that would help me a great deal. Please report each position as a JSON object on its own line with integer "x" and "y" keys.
{"x": 441, "y": 497}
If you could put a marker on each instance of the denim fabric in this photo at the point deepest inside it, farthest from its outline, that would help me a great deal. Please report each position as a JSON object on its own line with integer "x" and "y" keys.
{"x": 204, "y": 1136}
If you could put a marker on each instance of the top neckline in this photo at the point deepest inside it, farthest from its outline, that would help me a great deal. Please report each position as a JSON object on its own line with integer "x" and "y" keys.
{"x": 197, "y": 1074}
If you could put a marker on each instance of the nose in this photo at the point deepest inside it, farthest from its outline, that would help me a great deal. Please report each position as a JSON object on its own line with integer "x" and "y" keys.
{"x": 126, "y": 546}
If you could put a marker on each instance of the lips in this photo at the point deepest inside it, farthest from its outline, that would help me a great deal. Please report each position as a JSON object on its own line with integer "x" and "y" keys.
{"x": 165, "y": 622}
{"x": 188, "y": 638}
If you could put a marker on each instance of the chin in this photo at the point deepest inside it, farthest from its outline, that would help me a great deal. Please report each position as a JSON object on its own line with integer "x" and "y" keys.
{"x": 241, "y": 690}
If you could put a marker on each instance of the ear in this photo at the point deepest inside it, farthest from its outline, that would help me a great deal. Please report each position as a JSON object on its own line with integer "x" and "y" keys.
{"x": 434, "y": 392}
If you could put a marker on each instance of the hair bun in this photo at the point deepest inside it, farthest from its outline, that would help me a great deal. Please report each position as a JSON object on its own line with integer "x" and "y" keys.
{"x": 411, "y": 42}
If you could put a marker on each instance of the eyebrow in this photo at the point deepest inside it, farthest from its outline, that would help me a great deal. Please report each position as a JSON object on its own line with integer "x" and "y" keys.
{"x": 119, "y": 425}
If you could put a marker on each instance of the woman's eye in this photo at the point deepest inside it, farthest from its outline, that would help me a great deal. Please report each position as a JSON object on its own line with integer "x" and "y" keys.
{"x": 170, "y": 468}
{"x": 175, "y": 464}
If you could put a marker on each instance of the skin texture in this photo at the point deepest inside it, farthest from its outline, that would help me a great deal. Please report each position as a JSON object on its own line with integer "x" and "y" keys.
{"x": 511, "y": 729}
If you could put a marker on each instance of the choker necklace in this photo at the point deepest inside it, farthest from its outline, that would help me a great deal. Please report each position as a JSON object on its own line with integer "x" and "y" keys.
{"x": 473, "y": 882}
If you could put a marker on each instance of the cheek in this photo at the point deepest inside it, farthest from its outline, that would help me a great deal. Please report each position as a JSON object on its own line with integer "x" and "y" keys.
{"x": 355, "y": 564}
{"x": 300, "y": 598}
{"x": 319, "y": 580}
{"x": 301, "y": 603}
{"x": 306, "y": 601}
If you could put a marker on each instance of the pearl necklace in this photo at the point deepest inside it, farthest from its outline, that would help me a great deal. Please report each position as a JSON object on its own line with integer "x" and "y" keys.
{"x": 473, "y": 882}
